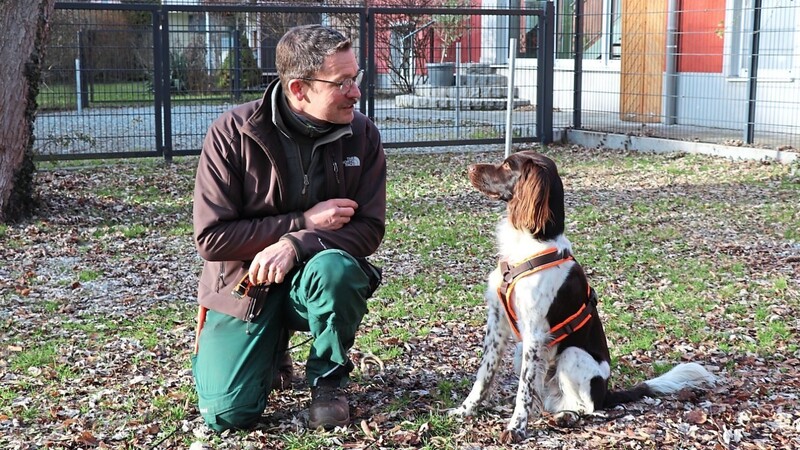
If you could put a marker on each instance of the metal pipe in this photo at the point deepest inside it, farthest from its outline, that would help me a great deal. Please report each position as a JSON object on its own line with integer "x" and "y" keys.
{"x": 78, "y": 85}
{"x": 671, "y": 72}
{"x": 578, "y": 73}
{"x": 752, "y": 84}
{"x": 512, "y": 64}
{"x": 458, "y": 90}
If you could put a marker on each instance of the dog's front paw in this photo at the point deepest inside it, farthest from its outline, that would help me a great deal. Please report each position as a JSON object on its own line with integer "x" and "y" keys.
{"x": 512, "y": 436}
{"x": 461, "y": 411}
{"x": 565, "y": 419}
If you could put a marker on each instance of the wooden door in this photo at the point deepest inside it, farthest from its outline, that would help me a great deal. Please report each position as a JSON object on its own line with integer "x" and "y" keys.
{"x": 644, "y": 31}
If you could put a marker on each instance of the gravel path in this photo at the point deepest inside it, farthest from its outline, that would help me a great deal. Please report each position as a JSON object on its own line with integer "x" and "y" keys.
{"x": 133, "y": 129}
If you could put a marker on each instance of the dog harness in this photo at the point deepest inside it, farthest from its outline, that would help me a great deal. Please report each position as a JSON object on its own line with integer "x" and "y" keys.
{"x": 544, "y": 260}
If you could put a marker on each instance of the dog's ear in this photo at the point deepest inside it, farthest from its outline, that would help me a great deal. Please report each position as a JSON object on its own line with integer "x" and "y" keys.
{"x": 530, "y": 208}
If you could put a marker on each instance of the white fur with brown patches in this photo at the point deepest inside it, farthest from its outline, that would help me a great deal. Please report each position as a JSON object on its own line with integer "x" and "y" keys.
{"x": 558, "y": 379}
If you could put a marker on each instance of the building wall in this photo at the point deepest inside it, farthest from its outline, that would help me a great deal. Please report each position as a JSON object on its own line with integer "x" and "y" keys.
{"x": 701, "y": 36}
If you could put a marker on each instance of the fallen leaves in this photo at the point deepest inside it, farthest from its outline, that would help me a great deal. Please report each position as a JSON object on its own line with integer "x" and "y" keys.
{"x": 119, "y": 374}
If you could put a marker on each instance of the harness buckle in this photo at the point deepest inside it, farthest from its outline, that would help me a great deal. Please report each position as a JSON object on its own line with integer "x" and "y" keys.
{"x": 505, "y": 268}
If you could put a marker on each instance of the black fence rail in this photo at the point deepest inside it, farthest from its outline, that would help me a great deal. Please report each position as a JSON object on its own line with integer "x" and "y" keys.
{"x": 129, "y": 80}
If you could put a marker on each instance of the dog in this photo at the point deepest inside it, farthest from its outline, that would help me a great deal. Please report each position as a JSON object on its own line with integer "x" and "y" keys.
{"x": 541, "y": 294}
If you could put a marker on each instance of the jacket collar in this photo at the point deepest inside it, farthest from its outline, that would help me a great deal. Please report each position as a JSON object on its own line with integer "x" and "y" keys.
{"x": 267, "y": 117}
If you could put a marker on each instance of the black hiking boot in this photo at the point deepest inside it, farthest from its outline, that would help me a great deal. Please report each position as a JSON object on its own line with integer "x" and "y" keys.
{"x": 329, "y": 407}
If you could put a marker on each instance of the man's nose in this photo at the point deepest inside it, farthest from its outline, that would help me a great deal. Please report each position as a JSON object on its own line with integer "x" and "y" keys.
{"x": 355, "y": 91}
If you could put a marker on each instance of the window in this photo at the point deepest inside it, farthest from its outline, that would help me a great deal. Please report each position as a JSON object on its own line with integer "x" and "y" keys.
{"x": 615, "y": 31}
{"x": 779, "y": 38}
{"x": 602, "y": 29}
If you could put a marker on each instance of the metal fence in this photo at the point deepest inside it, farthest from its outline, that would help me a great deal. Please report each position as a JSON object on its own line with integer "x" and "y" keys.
{"x": 125, "y": 80}
{"x": 716, "y": 71}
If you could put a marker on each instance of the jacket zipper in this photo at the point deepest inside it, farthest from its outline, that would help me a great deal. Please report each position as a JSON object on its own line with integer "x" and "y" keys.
{"x": 303, "y": 170}
{"x": 336, "y": 172}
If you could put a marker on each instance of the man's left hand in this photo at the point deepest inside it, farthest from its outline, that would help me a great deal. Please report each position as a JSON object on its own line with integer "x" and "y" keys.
{"x": 273, "y": 263}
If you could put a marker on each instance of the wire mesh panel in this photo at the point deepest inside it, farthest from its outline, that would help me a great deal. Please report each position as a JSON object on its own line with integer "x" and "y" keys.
{"x": 96, "y": 94}
{"x": 444, "y": 73}
{"x": 706, "y": 70}
{"x": 219, "y": 59}
{"x": 133, "y": 79}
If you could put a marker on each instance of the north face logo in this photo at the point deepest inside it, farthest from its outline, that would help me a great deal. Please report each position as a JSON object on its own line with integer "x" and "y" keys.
{"x": 352, "y": 161}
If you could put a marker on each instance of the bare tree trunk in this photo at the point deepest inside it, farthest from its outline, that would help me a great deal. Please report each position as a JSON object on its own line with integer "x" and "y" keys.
{"x": 25, "y": 26}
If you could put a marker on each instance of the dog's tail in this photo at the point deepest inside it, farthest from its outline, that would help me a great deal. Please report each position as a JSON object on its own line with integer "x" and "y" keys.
{"x": 682, "y": 376}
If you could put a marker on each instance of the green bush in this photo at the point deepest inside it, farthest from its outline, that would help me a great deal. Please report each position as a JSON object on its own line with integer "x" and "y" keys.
{"x": 251, "y": 73}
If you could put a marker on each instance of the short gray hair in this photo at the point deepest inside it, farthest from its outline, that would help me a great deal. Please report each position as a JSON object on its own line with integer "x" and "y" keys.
{"x": 302, "y": 50}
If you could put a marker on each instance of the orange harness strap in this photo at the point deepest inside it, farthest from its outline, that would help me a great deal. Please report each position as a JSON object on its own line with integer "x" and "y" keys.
{"x": 538, "y": 262}
{"x": 576, "y": 321}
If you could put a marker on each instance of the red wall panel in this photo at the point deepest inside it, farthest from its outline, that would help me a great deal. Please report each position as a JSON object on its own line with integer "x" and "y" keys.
{"x": 700, "y": 40}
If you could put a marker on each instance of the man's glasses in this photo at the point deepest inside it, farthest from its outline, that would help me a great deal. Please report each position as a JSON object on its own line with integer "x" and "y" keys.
{"x": 344, "y": 86}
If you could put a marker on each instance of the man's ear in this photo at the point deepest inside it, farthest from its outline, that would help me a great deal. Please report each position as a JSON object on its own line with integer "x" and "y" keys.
{"x": 297, "y": 89}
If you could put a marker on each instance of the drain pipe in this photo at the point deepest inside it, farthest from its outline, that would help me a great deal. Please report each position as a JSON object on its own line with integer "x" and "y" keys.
{"x": 512, "y": 64}
{"x": 671, "y": 82}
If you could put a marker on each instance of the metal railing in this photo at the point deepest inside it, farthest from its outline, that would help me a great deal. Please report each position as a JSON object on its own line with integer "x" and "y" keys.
{"x": 170, "y": 70}
{"x": 149, "y": 79}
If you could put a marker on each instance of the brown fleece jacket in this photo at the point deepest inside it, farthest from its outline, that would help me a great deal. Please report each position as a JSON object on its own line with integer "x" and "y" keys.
{"x": 241, "y": 195}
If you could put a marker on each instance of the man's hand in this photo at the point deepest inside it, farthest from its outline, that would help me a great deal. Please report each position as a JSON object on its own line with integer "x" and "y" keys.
{"x": 330, "y": 215}
{"x": 273, "y": 263}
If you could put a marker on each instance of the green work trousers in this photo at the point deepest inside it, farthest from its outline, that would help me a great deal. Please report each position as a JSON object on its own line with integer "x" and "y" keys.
{"x": 235, "y": 361}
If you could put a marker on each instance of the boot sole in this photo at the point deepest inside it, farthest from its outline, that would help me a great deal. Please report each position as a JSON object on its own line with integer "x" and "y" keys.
{"x": 328, "y": 425}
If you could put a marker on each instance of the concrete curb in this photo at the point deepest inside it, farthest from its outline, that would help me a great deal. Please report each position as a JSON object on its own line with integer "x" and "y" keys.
{"x": 594, "y": 139}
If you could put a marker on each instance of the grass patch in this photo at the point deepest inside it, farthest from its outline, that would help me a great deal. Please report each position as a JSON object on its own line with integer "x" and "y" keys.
{"x": 89, "y": 275}
{"x": 41, "y": 355}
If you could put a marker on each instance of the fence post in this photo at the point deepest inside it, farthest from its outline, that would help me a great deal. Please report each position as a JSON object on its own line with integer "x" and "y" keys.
{"x": 365, "y": 36}
{"x": 84, "y": 79}
{"x": 157, "y": 81}
{"x": 752, "y": 79}
{"x": 544, "y": 76}
{"x": 577, "y": 106}
{"x": 236, "y": 79}
{"x": 166, "y": 84}
{"x": 369, "y": 17}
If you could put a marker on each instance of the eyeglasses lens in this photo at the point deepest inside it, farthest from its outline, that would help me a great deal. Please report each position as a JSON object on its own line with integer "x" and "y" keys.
{"x": 350, "y": 82}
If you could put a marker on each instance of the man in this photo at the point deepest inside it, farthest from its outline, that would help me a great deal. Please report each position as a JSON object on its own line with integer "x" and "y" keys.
{"x": 289, "y": 199}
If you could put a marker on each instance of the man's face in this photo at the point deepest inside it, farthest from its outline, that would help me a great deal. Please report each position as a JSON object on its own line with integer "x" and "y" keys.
{"x": 325, "y": 102}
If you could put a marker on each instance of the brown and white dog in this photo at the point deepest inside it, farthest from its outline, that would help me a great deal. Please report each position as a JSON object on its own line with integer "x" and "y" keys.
{"x": 540, "y": 293}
